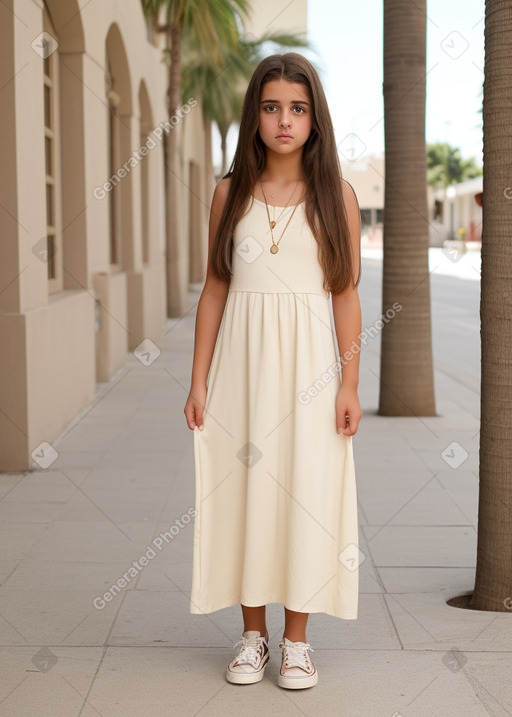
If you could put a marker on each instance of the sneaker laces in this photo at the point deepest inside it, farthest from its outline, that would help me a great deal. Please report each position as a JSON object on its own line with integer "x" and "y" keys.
{"x": 295, "y": 654}
{"x": 251, "y": 651}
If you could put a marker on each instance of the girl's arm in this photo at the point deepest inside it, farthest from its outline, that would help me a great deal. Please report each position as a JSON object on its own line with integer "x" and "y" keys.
{"x": 209, "y": 315}
{"x": 347, "y": 320}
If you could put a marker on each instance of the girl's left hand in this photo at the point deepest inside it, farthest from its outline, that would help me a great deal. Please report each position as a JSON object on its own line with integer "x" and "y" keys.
{"x": 348, "y": 411}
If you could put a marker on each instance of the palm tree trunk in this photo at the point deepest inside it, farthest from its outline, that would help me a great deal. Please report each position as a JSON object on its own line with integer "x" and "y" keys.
{"x": 406, "y": 374}
{"x": 493, "y": 584}
{"x": 174, "y": 238}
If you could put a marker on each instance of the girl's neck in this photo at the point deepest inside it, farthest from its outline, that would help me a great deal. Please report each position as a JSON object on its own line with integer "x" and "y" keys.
{"x": 282, "y": 169}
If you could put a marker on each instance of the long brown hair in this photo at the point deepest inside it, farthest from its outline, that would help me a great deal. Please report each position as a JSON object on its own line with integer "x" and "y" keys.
{"x": 325, "y": 209}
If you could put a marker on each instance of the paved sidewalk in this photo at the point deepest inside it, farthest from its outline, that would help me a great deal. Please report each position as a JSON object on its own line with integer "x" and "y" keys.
{"x": 124, "y": 476}
{"x": 447, "y": 262}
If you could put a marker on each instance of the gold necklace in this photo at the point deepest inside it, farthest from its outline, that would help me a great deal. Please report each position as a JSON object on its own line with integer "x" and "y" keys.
{"x": 274, "y": 221}
{"x": 275, "y": 248}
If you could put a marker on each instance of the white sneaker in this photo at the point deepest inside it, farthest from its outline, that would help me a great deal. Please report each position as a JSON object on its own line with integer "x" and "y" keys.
{"x": 249, "y": 665}
{"x": 297, "y": 669}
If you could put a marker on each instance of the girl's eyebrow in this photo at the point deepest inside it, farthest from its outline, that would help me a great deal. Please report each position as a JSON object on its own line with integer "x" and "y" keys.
{"x": 293, "y": 102}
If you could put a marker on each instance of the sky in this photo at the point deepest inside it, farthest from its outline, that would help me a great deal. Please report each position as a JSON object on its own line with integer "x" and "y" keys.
{"x": 347, "y": 36}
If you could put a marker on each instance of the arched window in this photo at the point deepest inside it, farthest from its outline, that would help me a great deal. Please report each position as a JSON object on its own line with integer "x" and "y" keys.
{"x": 114, "y": 158}
{"x": 146, "y": 126}
{"x": 52, "y": 155}
{"x": 120, "y": 132}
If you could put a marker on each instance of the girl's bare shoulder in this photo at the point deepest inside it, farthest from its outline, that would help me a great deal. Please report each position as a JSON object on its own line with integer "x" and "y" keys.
{"x": 222, "y": 189}
{"x": 219, "y": 198}
{"x": 349, "y": 194}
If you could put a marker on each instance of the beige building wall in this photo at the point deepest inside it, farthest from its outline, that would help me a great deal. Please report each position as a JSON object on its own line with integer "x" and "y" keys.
{"x": 366, "y": 175}
{"x": 82, "y": 243}
{"x": 76, "y": 104}
{"x": 267, "y": 16}
{"x": 455, "y": 212}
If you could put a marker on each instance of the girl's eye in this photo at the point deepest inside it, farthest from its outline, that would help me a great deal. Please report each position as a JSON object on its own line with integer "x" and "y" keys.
{"x": 298, "y": 109}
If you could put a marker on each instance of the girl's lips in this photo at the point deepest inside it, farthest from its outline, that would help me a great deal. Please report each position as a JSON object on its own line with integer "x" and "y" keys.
{"x": 284, "y": 136}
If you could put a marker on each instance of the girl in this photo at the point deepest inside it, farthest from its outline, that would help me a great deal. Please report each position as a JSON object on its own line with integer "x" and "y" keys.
{"x": 272, "y": 416}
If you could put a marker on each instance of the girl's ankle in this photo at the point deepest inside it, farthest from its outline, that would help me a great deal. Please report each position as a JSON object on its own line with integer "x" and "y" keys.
{"x": 263, "y": 633}
{"x": 295, "y": 638}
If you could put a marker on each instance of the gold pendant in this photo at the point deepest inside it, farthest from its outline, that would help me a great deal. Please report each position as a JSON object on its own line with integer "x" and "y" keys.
{"x": 272, "y": 225}
{"x": 274, "y": 249}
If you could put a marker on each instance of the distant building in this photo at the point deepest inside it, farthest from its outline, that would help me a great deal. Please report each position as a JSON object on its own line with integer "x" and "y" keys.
{"x": 366, "y": 175}
{"x": 449, "y": 209}
{"x": 455, "y": 208}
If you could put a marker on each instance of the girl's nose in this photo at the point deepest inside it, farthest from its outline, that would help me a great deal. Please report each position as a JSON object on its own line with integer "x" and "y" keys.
{"x": 284, "y": 121}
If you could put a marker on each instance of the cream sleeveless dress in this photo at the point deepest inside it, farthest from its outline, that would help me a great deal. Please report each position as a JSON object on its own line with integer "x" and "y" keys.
{"x": 275, "y": 485}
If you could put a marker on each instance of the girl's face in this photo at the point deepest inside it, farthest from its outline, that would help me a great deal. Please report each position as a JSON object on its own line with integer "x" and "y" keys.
{"x": 286, "y": 115}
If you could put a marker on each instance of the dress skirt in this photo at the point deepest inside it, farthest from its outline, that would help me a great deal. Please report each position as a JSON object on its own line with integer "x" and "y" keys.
{"x": 275, "y": 489}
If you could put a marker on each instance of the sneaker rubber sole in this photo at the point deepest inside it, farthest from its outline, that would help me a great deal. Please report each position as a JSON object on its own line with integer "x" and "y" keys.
{"x": 297, "y": 683}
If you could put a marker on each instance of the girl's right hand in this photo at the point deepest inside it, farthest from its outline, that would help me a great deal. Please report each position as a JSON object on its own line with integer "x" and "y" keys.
{"x": 194, "y": 407}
